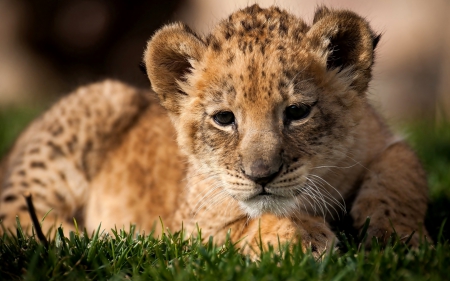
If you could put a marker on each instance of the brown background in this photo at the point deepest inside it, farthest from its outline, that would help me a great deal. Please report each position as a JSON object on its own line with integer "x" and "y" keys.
{"x": 49, "y": 47}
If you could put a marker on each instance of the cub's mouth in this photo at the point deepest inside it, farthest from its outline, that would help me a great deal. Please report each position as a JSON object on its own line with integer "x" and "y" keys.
{"x": 279, "y": 193}
{"x": 266, "y": 202}
{"x": 271, "y": 200}
{"x": 274, "y": 193}
{"x": 265, "y": 192}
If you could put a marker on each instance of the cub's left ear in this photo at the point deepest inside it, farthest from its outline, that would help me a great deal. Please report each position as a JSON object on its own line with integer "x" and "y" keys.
{"x": 168, "y": 59}
{"x": 344, "y": 39}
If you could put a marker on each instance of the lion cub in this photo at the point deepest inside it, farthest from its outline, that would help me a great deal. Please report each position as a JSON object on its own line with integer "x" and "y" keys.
{"x": 264, "y": 128}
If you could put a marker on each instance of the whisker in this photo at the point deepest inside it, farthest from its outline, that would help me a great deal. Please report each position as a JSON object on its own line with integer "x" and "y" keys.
{"x": 325, "y": 202}
{"x": 337, "y": 167}
{"x": 210, "y": 202}
{"x": 316, "y": 205}
{"x": 340, "y": 195}
{"x": 327, "y": 194}
{"x": 220, "y": 197}
{"x": 205, "y": 196}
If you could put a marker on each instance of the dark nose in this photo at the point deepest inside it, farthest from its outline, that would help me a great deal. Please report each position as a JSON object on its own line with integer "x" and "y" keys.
{"x": 262, "y": 173}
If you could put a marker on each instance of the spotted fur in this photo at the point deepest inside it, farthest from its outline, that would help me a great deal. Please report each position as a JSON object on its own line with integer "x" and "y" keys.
{"x": 107, "y": 153}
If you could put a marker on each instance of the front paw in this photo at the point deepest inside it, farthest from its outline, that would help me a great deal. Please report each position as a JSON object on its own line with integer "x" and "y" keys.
{"x": 312, "y": 232}
{"x": 316, "y": 236}
{"x": 382, "y": 231}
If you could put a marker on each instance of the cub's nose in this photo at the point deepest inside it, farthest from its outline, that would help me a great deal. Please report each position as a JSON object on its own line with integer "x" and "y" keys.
{"x": 262, "y": 173}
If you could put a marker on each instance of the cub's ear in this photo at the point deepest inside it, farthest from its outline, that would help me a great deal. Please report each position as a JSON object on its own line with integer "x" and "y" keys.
{"x": 169, "y": 57}
{"x": 344, "y": 39}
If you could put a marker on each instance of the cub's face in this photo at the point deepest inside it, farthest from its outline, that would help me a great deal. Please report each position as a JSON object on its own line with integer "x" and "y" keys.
{"x": 265, "y": 100}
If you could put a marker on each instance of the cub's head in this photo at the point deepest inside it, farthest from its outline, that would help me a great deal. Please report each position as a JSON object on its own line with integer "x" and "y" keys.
{"x": 265, "y": 98}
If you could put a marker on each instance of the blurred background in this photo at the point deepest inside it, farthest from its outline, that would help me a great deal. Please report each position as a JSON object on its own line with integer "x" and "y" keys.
{"x": 49, "y": 47}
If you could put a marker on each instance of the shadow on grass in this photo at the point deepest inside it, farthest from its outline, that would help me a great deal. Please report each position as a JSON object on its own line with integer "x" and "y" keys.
{"x": 438, "y": 212}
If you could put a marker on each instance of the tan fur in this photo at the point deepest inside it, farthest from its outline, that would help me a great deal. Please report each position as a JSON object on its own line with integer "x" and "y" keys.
{"x": 126, "y": 166}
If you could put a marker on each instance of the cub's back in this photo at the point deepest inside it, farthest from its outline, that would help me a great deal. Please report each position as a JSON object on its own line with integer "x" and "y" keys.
{"x": 62, "y": 152}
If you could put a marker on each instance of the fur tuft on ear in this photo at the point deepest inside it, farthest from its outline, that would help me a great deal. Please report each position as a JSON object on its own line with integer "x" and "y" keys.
{"x": 168, "y": 59}
{"x": 345, "y": 40}
{"x": 321, "y": 12}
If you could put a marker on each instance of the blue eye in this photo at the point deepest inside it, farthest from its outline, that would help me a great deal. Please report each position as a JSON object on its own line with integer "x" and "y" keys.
{"x": 224, "y": 118}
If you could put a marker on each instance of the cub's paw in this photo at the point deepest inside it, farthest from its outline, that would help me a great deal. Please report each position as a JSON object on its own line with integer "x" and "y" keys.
{"x": 408, "y": 236}
{"x": 312, "y": 232}
{"x": 315, "y": 235}
{"x": 381, "y": 230}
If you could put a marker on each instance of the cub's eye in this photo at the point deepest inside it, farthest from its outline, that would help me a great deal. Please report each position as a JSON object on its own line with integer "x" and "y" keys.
{"x": 297, "y": 112}
{"x": 224, "y": 118}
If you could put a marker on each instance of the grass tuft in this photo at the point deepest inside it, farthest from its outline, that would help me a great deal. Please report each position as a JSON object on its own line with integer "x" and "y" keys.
{"x": 127, "y": 254}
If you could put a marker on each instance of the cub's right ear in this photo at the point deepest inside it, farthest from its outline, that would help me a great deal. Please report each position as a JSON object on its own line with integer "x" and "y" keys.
{"x": 169, "y": 58}
{"x": 345, "y": 40}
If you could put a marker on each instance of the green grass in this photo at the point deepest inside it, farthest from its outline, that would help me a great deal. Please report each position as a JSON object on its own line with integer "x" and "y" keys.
{"x": 432, "y": 144}
{"x": 125, "y": 255}
{"x": 12, "y": 121}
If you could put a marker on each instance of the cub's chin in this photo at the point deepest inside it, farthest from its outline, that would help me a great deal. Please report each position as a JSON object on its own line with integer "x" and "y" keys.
{"x": 277, "y": 205}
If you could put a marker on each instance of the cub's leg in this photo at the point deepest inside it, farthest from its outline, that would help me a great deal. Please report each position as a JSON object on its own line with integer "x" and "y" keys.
{"x": 59, "y": 154}
{"x": 393, "y": 193}
{"x": 313, "y": 232}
